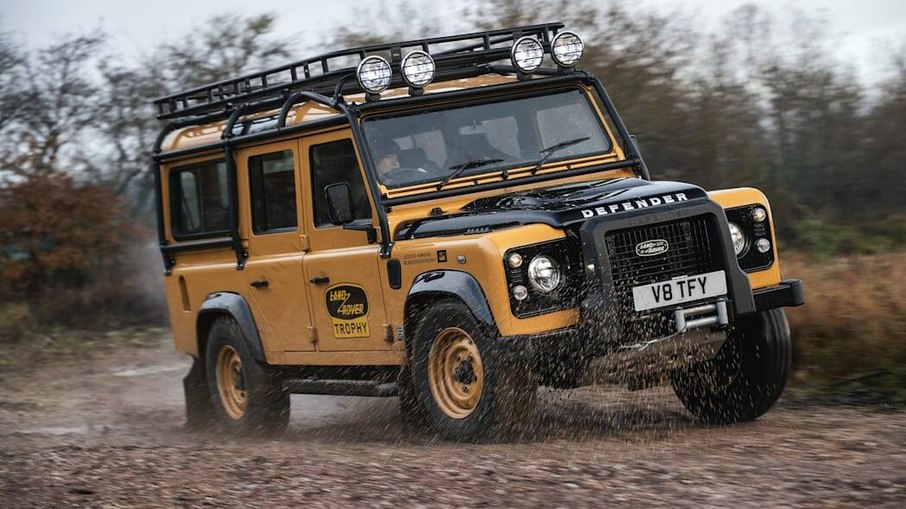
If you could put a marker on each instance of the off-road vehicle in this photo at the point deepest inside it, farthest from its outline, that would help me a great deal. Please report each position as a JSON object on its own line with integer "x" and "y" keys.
{"x": 449, "y": 221}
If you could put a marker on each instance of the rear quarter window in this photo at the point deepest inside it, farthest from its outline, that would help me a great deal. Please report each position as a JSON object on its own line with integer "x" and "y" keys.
{"x": 199, "y": 200}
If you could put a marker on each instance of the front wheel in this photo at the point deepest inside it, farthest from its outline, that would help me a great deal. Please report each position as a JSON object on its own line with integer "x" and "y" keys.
{"x": 746, "y": 377}
{"x": 464, "y": 381}
{"x": 248, "y": 396}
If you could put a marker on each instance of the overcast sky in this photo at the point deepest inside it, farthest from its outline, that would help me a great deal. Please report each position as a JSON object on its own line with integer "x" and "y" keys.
{"x": 863, "y": 29}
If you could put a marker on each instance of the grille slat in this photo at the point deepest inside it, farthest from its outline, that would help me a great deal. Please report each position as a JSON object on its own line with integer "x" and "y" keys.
{"x": 689, "y": 253}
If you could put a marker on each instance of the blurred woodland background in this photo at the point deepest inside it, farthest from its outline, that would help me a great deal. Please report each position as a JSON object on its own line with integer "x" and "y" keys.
{"x": 761, "y": 101}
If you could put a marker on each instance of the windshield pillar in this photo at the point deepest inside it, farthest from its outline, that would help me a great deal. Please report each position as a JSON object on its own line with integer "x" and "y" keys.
{"x": 371, "y": 174}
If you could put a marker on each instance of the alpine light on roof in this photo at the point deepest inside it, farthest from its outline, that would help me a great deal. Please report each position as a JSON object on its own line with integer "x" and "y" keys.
{"x": 373, "y": 74}
{"x": 527, "y": 54}
{"x": 418, "y": 68}
{"x": 566, "y": 49}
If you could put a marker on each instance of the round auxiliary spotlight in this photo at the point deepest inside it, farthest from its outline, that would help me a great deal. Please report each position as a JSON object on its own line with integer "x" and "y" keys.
{"x": 373, "y": 74}
{"x": 566, "y": 49}
{"x": 418, "y": 68}
{"x": 527, "y": 54}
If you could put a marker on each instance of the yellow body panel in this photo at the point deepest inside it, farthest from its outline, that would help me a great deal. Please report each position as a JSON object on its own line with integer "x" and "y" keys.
{"x": 729, "y": 198}
{"x": 198, "y": 275}
{"x": 312, "y": 272}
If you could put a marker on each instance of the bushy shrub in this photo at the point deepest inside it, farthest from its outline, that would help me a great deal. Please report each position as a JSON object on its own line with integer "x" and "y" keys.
{"x": 15, "y": 319}
{"x": 68, "y": 254}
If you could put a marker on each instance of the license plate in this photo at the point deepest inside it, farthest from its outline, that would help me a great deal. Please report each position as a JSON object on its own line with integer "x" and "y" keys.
{"x": 679, "y": 290}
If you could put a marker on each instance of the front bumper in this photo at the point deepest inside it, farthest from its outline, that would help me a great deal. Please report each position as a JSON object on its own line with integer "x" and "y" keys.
{"x": 789, "y": 293}
{"x": 564, "y": 357}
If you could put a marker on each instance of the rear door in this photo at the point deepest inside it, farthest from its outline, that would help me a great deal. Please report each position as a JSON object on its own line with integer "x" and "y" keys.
{"x": 341, "y": 268}
{"x": 276, "y": 246}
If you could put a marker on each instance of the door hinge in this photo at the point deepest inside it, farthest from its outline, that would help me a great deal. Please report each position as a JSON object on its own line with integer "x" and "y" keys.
{"x": 312, "y": 334}
{"x": 388, "y": 333}
{"x": 306, "y": 244}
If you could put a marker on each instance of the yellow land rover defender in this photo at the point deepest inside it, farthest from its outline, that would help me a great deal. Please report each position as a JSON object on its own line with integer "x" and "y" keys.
{"x": 449, "y": 221}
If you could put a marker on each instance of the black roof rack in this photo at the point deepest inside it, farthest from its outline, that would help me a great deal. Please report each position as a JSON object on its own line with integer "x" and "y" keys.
{"x": 454, "y": 56}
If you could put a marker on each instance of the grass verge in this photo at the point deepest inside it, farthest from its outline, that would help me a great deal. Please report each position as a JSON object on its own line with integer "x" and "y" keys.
{"x": 851, "y": 333}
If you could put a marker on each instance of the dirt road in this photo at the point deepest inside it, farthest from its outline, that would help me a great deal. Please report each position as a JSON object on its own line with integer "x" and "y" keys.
{"x": 105, "y": 430}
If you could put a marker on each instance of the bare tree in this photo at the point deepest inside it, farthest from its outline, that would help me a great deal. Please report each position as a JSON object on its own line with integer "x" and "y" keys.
{"x": 12, "y": 67}
{"x": 225, "y": 46}
{"x": 59, "y": 101}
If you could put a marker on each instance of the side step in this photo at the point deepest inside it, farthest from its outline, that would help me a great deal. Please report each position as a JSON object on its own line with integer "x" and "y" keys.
{"x": 366, "y": 388}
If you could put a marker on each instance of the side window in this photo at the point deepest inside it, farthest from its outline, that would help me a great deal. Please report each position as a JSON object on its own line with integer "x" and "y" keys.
{"x": 272, "y": 179}
{"x": 331, "y": 163}
{"x": 199, "y": 200}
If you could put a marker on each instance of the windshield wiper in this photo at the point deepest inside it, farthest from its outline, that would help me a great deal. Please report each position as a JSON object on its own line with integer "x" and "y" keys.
{"x": 459, "y": 168}
{"x": 553, "y": 149}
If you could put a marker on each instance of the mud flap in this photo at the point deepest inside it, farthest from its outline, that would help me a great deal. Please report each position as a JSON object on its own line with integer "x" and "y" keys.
{"x": 199, "y": 411}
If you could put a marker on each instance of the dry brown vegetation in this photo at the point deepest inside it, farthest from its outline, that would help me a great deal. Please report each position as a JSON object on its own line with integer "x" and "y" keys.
{"x": 852, "y": 329}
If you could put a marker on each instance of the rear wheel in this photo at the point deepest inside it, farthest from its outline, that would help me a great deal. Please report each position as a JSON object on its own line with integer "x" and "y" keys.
{"x": 464, "y": 381}
{"x": 746, "y": 377}
{"x": 247, "y": 395}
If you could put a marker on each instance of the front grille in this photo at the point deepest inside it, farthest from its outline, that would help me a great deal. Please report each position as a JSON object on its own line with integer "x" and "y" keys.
{"x": 689, "y": 253}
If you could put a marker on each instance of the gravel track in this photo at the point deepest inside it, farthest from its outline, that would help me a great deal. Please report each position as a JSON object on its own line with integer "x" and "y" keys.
{"x": 105, "y": 430}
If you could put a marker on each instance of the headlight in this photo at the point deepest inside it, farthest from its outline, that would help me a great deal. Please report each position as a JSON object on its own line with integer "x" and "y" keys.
{"x": 544, "y": 274}
{"x": 738, "y": 238}
{"x": 373, "y": 74}
{"x": 527, "y": 54}
{"x": 418, "y": 68}
{"x": 566, "y": 49}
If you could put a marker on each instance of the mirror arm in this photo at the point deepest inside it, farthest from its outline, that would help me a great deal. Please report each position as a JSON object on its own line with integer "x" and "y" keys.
{"x": 368, "y": 228}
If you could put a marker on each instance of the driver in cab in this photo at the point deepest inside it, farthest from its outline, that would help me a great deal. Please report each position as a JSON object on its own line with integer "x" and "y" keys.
{"x": 395, "y": 166}
{"x": 386, "y": 153}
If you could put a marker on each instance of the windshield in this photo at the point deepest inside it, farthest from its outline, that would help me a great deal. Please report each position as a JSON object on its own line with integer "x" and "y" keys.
{"x": 429, "y": 146}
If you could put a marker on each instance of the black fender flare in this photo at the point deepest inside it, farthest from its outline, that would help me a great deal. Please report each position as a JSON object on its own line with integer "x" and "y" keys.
{"x": 236, "y": 307}
{"x": 456, "y": 284}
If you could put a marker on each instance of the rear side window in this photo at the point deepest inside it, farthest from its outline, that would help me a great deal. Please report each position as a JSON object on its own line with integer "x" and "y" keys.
{"x": 199, "y": 200}
{"x": 273, "y": 185}
{"x": 331, "y": 163}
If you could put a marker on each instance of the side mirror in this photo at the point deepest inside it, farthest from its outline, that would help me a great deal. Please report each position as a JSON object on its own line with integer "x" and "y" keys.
{"x": 339, "y": 203}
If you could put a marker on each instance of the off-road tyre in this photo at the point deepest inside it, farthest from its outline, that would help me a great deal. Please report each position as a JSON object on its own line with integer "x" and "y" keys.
{"x": 467, "y": 355}
{"x": 747, "y": 376}
{"x": 200, "y": 413}
{"x": 413, "y": 415}
{"x": 247, "y": 395}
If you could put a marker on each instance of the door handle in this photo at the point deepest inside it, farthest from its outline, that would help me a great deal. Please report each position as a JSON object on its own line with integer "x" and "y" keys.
{"x": 261, "y": 283}
{"x": 320, "y": 280}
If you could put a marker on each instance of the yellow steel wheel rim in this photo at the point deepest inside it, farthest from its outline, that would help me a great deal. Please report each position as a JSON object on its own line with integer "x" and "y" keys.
{"x": 231, "y": 382}
{"x": 455, "y": 373}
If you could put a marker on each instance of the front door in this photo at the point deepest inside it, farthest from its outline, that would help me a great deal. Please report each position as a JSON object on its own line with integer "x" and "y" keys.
{"x": 341, "y": 269}
{"x": 274, "y": 267}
